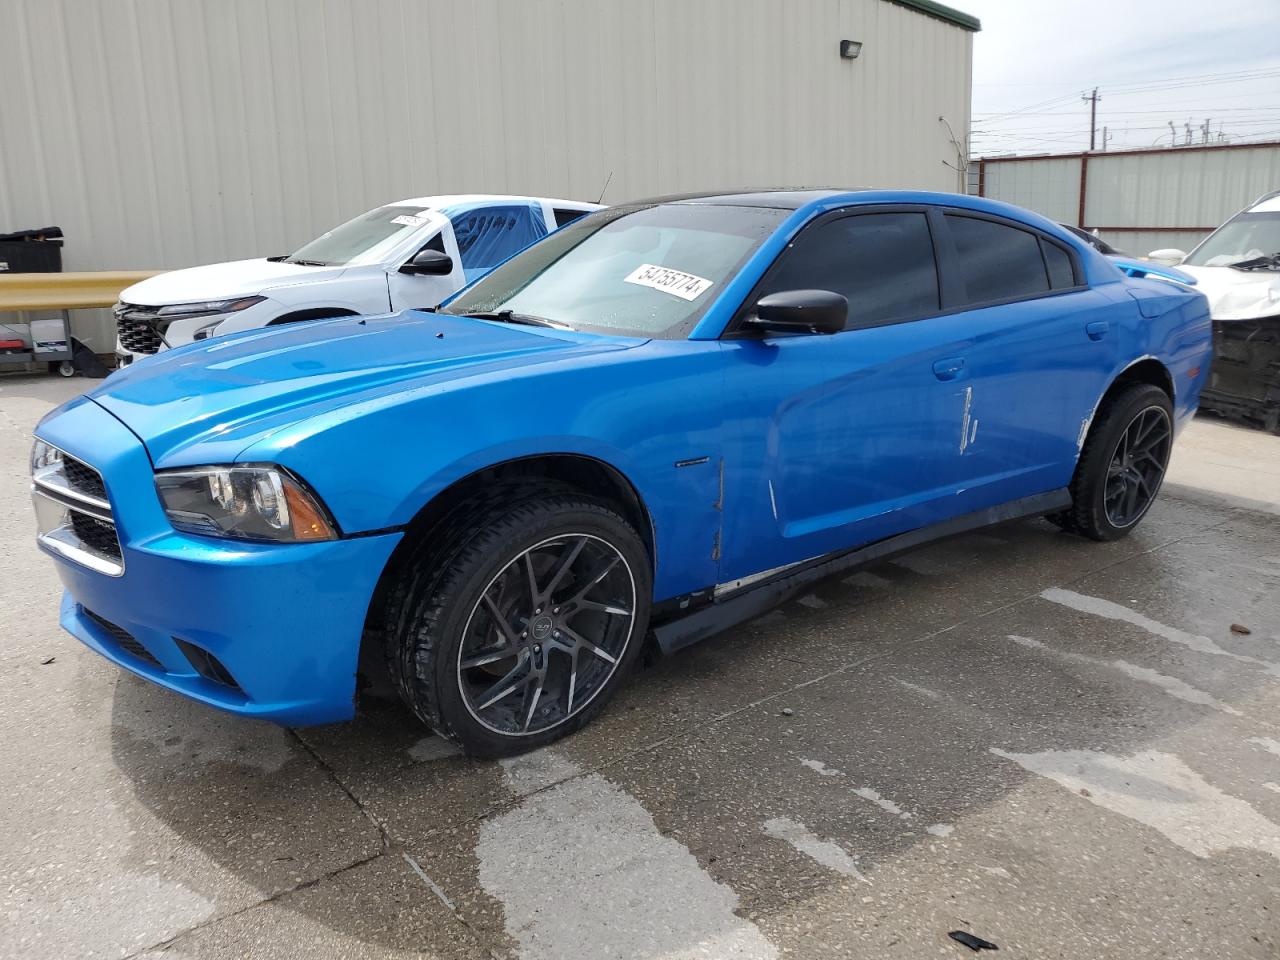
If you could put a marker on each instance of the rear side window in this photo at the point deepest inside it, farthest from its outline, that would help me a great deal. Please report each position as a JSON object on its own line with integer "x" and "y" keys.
{"x": 882, "y": 263}
{"x": 1062, "y": 274}
{"x": 997, "y": 262}
{"x": 567, "y": 216}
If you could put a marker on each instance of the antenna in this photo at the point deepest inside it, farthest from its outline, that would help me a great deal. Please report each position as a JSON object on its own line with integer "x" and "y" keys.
{"x": 600, "y": 199}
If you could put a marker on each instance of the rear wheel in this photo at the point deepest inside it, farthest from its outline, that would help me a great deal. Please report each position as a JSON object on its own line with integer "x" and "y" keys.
{"x": 522, "y": 623}
{"x": 1122, "y": 464}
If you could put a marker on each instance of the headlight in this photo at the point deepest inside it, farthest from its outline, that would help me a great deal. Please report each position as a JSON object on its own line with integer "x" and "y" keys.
{"x": 44, "y": 456}
{"x": 178, "y": 311}
{"x": 248, "y": 502}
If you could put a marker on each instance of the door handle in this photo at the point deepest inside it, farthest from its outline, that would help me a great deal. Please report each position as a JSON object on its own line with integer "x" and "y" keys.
{"x": 1097, "y": 330}
{"x": 948, "y": 368}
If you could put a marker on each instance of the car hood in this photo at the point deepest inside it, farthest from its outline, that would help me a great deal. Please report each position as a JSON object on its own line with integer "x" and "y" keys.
{"x": 223, "y": 281}
{"x": 205, "y": 403}
{"x": 1238, "y": 294}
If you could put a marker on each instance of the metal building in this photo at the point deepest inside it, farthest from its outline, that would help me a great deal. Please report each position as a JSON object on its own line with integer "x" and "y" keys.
{"x": 161, "y": 134}
{"x": 1137, "y": 200}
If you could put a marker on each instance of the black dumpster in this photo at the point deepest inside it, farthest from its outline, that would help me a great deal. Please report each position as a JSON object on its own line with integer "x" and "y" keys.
{"x": 31, "y": 251}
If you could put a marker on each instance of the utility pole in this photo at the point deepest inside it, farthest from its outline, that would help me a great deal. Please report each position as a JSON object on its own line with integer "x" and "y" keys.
{"x": 1092, "y": 99}
{"x": 1173, "y": 134}
{"x": 1204, "y": 131}
{"x": 1106, "y": 137}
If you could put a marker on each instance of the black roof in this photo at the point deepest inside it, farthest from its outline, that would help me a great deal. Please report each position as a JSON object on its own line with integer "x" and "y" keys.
{"x": 782, "y": 198}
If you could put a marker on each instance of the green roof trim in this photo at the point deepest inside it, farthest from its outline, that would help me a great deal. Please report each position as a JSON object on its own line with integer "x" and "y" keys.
{"x": 942, "y": 12}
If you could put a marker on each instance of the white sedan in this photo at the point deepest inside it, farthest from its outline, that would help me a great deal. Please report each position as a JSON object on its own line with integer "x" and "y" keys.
{"x": 409, "y": 254}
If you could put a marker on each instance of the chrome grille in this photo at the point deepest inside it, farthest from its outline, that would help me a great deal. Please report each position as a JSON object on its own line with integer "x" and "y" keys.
{"x": 98, "y": 535}
{"x": 74, "y": 515}
{"x": 138, "y": 327}
{"x": 83, "y": 478}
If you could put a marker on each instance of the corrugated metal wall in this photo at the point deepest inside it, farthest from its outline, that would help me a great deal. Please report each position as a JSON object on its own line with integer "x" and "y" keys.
{"x": 1051, "y": 187}
{"x": 1139, "y": 200}
{"x": 164, "y": 134}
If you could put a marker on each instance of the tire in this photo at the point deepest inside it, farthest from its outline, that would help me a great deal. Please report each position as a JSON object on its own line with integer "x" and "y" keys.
{"x": 66, "y": 369}
{"x": 1107, "y": 502}
{"x": 462, "y": 625}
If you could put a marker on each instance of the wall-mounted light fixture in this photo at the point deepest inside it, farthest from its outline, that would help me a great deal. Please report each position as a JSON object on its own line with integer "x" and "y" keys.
{"x": 849, "y": 49}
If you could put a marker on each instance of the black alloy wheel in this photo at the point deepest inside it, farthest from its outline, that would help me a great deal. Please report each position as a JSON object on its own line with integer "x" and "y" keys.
{"x": 546, "y": 634}
{"x": 1137, "y": 466}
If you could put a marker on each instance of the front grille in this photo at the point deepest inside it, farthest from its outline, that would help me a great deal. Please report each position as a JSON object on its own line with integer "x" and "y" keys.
{"x": 83, "y": 478}
{"x": 99, "y": 536}
{"x": 136, "y": 327}
{"x": 73, "y": 514}
{"x": 124, "y": 639}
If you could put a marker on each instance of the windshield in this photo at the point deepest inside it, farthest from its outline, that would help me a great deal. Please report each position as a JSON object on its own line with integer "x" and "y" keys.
{"x": 366, "y": 239}
{"x": 644, "y": 271}
{"x": 1245, "y": 236}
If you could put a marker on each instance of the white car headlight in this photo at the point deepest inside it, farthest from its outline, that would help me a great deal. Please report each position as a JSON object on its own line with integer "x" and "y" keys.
{"x": 204, "y": 308}
{"x": 246, "y": 502}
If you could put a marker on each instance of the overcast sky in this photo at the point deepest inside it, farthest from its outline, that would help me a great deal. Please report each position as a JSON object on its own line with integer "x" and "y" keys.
{"x": 1152, "y": 62}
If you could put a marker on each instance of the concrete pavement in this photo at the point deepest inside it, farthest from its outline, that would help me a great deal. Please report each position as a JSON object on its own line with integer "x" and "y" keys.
{"x": 1058, "y": 745}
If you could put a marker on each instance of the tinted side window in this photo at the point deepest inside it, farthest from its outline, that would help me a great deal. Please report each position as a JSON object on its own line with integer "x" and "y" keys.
{"x": 997, "y": 262}
{"x": 1062, "y": 274}
{"x": 567, "y": 216}
{"x": 488, "y": 235}
{"x": 882, "y": 263}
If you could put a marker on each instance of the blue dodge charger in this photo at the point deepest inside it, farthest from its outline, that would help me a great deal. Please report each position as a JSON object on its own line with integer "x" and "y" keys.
{"x": 659, "y": 421}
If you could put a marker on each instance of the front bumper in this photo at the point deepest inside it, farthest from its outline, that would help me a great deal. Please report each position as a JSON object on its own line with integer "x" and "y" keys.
{"x": 281, "y": 622}
{"x": 1245, "y": 379}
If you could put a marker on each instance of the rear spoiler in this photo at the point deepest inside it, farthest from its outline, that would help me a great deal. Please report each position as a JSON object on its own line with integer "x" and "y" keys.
{"x": 1148, "y": 268}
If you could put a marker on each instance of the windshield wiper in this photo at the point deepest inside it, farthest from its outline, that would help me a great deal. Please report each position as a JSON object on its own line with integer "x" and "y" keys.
{"x": 510, "y": 316}
{"x": 307, "y": 263}
{"x": 1271, "y": 262}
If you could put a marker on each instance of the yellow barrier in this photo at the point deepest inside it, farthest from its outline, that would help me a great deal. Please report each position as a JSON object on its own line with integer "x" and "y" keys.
{"x": 66, "y": 291}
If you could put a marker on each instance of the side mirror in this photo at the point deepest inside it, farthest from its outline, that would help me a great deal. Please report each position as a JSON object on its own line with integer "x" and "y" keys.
{"x": 1170, "y": 256}
{"x": 800, "y": 311}
{"x": 429, "y": 262}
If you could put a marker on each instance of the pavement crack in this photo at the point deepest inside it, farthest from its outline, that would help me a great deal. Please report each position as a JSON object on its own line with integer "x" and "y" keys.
{"x": 384, "y": 834}
{"x": 273, "y": 898}
{"x": 391, "y": 845}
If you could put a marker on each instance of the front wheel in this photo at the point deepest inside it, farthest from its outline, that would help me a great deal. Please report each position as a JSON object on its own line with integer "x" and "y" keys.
{"x": 1122, "y": 464}
{"x": 523, "y": 623}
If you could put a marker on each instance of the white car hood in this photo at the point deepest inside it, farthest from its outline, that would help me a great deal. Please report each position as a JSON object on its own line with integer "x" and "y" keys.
{"x": 223, "y": 281}
{"x": 1238, "y": 294}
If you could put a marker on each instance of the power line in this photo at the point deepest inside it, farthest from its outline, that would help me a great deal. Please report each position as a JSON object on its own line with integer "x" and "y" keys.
{"x": 1167, "y": 83}
{"x": 1162, "y": 110}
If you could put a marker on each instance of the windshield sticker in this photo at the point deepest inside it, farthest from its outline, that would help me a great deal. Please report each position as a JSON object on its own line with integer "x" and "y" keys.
{"x": 683, "y": 285}
{"x": 409, "y": 221}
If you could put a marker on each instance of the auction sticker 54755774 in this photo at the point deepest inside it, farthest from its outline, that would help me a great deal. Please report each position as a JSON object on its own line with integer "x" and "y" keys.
{"x": 686, "y": 286}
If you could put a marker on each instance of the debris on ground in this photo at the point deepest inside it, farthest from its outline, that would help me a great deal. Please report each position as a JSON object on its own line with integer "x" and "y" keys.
{"x": 787, "y": 711}
{"x": 1240, "y": 629}
{"x": 970, "y": 941}
{"x": 45, "y": 663}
